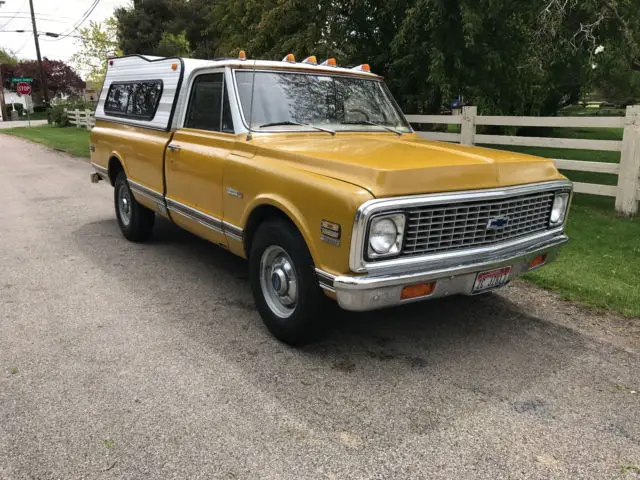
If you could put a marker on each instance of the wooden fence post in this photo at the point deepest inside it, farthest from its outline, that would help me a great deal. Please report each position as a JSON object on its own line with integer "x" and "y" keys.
{"x": 87, "y": 114}
{"x": 77, "y": 113}
{"x": 468, "y": 128}
{"x": 629, "y": 177}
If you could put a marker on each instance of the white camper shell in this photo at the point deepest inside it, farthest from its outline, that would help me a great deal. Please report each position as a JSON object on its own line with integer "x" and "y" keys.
{"x": 172, "y": 78}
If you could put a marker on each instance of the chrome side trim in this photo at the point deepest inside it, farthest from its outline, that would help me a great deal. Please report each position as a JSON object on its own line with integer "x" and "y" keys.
{"x": 233, "y": 232}
{"x": 325, "y": 280}
{"x": 145, "y": 192}
{"x": 213, "y": 223}
{"x": 195, "y": 215}
{"x": 103, "y": 172}
{"x": 357, "y": 262}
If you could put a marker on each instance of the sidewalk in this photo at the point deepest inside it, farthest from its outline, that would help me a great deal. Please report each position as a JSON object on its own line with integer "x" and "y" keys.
{"x": 22, "y": 123}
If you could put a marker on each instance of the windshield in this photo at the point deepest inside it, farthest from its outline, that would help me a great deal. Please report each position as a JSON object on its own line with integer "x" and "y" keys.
{"x": 298, "y": 101}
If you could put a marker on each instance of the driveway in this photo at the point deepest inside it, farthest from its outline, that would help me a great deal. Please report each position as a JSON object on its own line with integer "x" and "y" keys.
{"x": 120, "y": 360}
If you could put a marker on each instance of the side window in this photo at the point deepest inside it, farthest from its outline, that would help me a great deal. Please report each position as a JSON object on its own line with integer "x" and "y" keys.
{"x": 135, "y": 100}
{"x": 117, "y": 99}
{"x": 144, "y": 100}
{"x": 207, "y": 110}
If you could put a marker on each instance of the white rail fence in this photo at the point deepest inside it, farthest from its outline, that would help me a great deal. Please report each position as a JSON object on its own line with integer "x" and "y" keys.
{"x": 81, "y": 118}
{"x": 626, "y": 192}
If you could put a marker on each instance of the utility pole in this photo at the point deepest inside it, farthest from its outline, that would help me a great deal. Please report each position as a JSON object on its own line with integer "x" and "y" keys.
{"x": 2, "y": 110}
{"x": 45, "y": 93}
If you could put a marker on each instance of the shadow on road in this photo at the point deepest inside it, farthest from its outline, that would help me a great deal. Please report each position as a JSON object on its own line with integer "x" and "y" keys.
{"x": 463, "y": 324}
{"x": 454, "y": 355}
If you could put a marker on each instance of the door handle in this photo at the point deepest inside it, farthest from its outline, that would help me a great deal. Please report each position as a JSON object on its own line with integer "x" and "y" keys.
{"x": 174, "y": 148}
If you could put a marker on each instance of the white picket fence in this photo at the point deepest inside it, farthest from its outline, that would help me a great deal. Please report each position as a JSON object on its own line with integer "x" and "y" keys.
{"x": 81, "y": 118}
{"x": 626, "y": 192}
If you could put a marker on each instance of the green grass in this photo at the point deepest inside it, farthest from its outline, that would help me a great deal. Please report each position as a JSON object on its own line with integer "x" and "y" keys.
{"x": 71, "y": 140}
{"x": 600, "y": 265}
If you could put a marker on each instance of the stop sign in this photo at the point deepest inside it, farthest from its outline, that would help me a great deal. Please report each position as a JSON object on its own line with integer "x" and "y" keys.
{"x": 24, "y": 88}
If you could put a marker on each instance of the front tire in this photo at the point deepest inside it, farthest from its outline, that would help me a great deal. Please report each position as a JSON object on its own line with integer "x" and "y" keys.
{"x": 284, "y": 284}
{"x": 135, "y": 221}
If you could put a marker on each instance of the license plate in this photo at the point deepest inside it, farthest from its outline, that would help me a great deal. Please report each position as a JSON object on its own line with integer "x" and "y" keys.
{"x": 491, "y": 279}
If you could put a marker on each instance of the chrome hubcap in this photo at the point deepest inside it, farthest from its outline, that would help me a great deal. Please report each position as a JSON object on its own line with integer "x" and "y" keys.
{"x": 278, "y": 281}
{"x": 124, "y": 205}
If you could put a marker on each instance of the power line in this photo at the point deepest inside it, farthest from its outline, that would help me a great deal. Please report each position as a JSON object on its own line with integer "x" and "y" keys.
{"x": 46, "y": 34}
{"x": 76, "y": 25}
{"x": 14, "y": 16}
{"x": 23, "y": 17}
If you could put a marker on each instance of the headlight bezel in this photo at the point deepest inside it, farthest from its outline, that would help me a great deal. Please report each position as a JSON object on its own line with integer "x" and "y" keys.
{"x": 399, "y": 220}
{"x": 566, "y": 197}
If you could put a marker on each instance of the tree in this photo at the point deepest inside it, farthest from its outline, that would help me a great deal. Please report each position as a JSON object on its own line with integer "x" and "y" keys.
{"x": 593, "y": 23}
{"x": 140, "y": 27}
{"x": 173, "y": 45}
{"x": 506, "y": 56}
{"x": 98, "y": 43}
{"x": 7, "y": 57}
{"x": 61, "y": 78}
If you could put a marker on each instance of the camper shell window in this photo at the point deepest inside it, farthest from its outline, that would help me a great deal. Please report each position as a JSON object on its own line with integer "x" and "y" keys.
{"x": 135, "y": 100}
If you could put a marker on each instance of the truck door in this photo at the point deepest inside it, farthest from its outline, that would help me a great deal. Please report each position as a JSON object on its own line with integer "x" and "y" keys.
{"x": 195, "y": 159}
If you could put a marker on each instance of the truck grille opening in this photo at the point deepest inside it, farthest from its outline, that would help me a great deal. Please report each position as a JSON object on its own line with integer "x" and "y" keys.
{"x": 444, "y": 228}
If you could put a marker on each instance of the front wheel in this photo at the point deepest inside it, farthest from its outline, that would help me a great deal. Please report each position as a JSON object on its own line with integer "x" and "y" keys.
{"x": 284, "y": 284}
{"x": 135, "y": 221}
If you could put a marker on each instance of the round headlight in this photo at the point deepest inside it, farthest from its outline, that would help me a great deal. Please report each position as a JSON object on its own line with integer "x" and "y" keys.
{"x": 383, "y": 235}
{"x": 559, "y": 208}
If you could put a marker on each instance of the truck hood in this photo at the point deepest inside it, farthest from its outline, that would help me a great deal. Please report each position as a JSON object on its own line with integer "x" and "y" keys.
{"x": 390, "y": 165}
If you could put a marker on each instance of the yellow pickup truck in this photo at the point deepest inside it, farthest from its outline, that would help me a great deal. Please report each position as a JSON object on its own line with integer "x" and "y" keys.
{"x": 312, "y": 173}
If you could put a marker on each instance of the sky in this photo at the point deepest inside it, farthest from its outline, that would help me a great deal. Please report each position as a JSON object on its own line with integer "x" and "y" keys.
{"x": 55, "y": 16}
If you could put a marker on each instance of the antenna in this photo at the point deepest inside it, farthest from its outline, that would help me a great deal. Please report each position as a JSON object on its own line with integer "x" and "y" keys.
{"x": 253, "y": 87}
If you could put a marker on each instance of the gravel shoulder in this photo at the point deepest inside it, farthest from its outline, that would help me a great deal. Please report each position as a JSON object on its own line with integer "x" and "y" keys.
{"x": 149, "y": 361}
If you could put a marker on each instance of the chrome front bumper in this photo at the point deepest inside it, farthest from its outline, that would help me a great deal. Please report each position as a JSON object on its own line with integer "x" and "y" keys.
{"x": 371, "y": 292}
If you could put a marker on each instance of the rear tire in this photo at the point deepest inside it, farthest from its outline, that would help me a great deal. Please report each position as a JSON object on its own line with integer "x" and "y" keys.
{"x": 284, "y": 284}
{"x": 135, "y": 221}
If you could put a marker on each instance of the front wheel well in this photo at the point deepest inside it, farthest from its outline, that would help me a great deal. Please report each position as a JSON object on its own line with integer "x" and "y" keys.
{"x": 115, "y": 167}
{"x": 257, "y": 217}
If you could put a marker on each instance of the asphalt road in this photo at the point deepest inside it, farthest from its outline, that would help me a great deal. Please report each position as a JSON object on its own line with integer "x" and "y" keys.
{"x": 149, "y": 361}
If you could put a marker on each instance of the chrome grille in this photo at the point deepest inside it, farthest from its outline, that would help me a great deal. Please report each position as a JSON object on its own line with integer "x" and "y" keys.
{"x": 443, "y": 228}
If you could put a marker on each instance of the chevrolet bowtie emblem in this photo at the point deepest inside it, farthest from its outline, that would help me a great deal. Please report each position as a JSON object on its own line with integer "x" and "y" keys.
{"x": 497, "y": 223}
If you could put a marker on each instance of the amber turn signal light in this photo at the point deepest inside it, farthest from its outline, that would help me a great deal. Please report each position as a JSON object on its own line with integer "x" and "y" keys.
{"x": 538, "y": 261}
{"x": 420, "y": 290}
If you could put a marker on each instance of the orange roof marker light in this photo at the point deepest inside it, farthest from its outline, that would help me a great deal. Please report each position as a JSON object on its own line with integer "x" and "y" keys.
{"x": 312, "y": 60}
{"x": 290, "y": 57}
{"x": 330, "y": 62}
{"x": 363, "y": 68}
{"x": 174, "y": 66}
{"x": 242, "y": 55}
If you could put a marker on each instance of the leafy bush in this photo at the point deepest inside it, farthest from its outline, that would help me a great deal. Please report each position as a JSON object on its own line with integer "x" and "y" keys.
{"x": 57, "y": 115}
{"x": 39, "y": 109}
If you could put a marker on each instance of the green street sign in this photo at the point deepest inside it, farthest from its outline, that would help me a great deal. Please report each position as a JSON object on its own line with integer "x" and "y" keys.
{"x": 21, "y": 79}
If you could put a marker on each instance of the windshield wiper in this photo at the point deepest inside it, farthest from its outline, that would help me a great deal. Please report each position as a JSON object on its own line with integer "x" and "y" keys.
{"x": 368, "y": 122}
{"x": 288, "y": 122}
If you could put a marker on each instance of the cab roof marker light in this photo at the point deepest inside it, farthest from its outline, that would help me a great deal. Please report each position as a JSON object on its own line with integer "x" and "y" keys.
{"x": 329, "y": 62}
{"x": 312, "y": 60}
{"x": 289, "y": 57}
{"x": 174, "y": 66}
{"x": 242, "y": 55}
{"x": 363, "y": 68}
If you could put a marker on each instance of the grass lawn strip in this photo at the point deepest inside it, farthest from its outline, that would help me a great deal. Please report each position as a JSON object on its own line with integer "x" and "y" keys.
{"x": 74, "y": 141}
